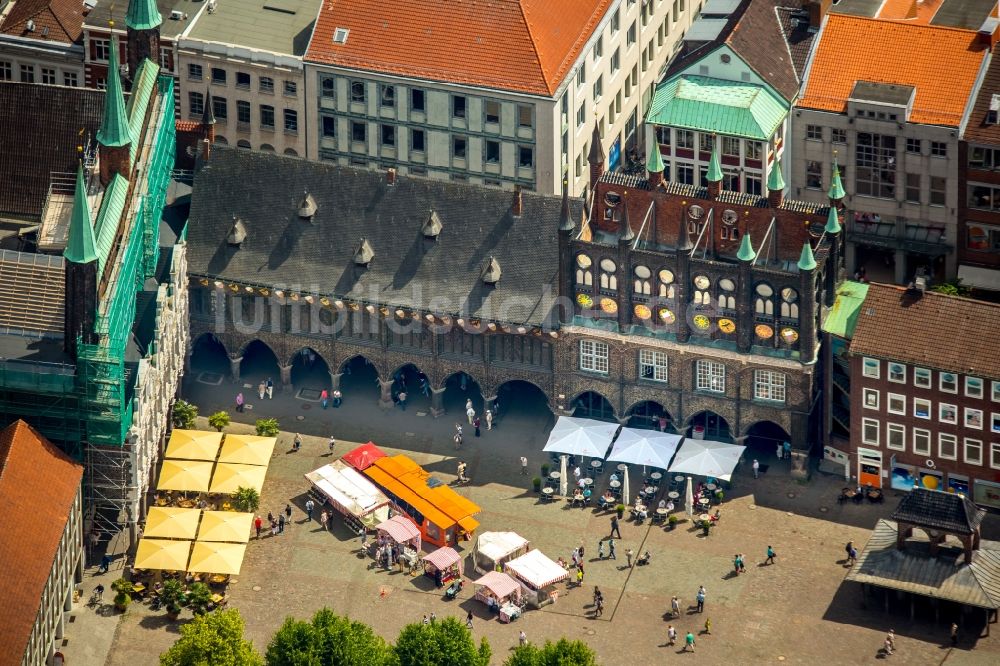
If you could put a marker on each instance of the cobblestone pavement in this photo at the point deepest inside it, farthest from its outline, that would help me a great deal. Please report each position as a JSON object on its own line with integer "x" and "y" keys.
{"x": 796, "y": 611}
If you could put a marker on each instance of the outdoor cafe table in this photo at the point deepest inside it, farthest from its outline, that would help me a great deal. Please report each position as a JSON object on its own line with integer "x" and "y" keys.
{"x": 656, "y": 476}
{"x": 596, "y": 464}
{"x": 679, "y": 478}
{"x": 673, "y": 494}
{"x": 710, "y": 486}
{"x": 615, "y": 484}
{"x": 622, "y": 467}
{"x": 703, "y": 501}
{"x": 554, "y": 476}
{"x": 661, "y": 511}
{"x": 548, "y": 492}
{"x": 704, "y": 517}
{"x": 588, "y": 481}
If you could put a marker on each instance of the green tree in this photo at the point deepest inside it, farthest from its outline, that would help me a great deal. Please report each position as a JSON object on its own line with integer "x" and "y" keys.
{"x": 330, "y": 640}
{"x": 267, "y": 427}
{"x": 563, "y": 653}
{"x": 184, "y": 414}
{"x": 172, "y": 596}
{"x": 216, "y": 639}
{"x": 246, "y": 499}
{"x": 294, "y": 644}
{"x": 219, "y": 420}
{"x": 444, "y": 643}
{"x": 123, "y": 593}
{"x": 955, "y": 288}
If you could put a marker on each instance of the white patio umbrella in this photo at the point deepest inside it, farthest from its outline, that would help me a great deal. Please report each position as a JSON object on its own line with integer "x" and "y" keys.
{"x": 625, "y": 492}
{"x": 707, "y": 458}
{"x": 563, "y": 481}
{"x": 586, "y": 438}
{"x": 689, "y": 498}
{"x": 644, "y": 447}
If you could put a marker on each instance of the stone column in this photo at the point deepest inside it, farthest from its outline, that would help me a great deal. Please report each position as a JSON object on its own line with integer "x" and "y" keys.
{"x": 437, "y": 402}
{"x": 800, "y": 465}
{"x": 234, "y": 368}
{"x": 488, "y": 404}
{"x": 900, "y": 267}
{"x": 187, "y": 360}
{"x": 286, "y": 378}
{"x": 335, "y": 381}
{"x": 385, "y": 399}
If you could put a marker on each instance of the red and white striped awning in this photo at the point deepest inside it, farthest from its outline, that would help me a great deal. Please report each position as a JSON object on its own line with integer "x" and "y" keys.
{"x": 499, "y": 584}
{"x": 442, "y": 558}
{"x": 400, "y": 529}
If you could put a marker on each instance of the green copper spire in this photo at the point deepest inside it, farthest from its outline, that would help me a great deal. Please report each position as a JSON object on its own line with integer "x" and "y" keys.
{"x": 836, "y": 191}
{"x": 775, "y": 182}
{"x": 81, "y": 247}
{"x": 142, "y": 15}
{"x": 655, "y": 162}
{"x": 114, "y": 126}
{"x": 714, "y": 174}
{"x": 832, "y": 222}
{"x": 746, "y": 252}
{"x": 807, "y": 262}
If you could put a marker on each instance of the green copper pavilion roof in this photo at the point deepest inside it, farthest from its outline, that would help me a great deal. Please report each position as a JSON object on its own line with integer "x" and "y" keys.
{"x": 706, "y": 104}
{"x": 655, "y": 162}
{"x": 142, "y": 15}
{"x": 832, "y": 221}
{"x": 775, "y": 181}
{"x": 843, "y": 316}
{"x": 746, "y": 252}
{"x": 81, "y": 247}
{"x": 836, "y": 190}
{"x": 114, "y": 131}
{"x": 714, "y": 174}
{"x": 807, "y": 262}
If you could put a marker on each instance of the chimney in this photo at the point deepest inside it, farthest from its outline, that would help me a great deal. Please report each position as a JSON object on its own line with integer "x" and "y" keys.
{"x": 517, "y": 207}
{"x": 817, "y": 10}
{"x": 390, "y": 176}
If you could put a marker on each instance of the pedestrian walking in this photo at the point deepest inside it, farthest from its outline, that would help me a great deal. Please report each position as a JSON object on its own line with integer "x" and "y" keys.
{"x": 780, "y": 451}
{"x": 689, "y": 642}
{"x": 700, "y": 598}
{"x": 770, "y": 556}
{"x": 736, "y": 564}
{"x": 458, "y": 440}
{"x": 579, "y": 576}
{"x": 787, "y": 446}
{"x": 611, "y": 549}
{"x": 468, "y": 620}
{"x": 600, "y": 549}
{"x": 575, "y": 556}
{"x": 288, "y": 512}
{"x": 489, "y": 419}
{"x": 470, "y": 413}
{"x": 402, "y": 400}
{"x": 310, "y": 505}
{"x": 614, "y": 528}
{"x": 708, "y": 626}
{"x": 599, "y": 607}
{"x": 270, "y": 517}
{"x": 324, "y": 398}
{"x": 425, "y": 620}
{"x": 577, "y": 474}
{"x": 628, "y": 557}
{"x": 332, "y": 443}
{"x": 671, "y": 635}
{"x": 323, "y": 518}
{"x": 274, "y": 527}
{"x": 675, "y": 606}
{"x": 597, "y": 594}
{"x": 239, "y": 402}
{"x": 889, "y": 645}
{"x": 433, "y": 617}
{"x": 297, "y": 442}
{"x": 581, "y": 554}
{"x": 954, "y": 634}
{"x": 261, "y": 389}
{"x": 468, "y": 401}
{"x": 475, "y": 424}
{"x": 522, "y": 638}
{"x": 269, "y": 385}
{"x": 105, "y": 564}
{"x": 743, "y": 563}
{"x": 852, "y": 553}
{"x": 756, "y": 468}
{"x": 281, "y": 524}
{"x": 257, "y": 524}
{"x": 524, "y": 460}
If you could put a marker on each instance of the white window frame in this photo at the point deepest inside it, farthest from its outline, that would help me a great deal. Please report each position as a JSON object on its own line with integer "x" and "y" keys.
{"x": 710, "y": 376}
{"x": 594, "y": 356}
{"x": 923, "y": 378}
{"x": 969, "y": 380}
{"x": 874, "y": 424}
{"x": 655, "y": 359}
{"x": 899, "y": 429}
{"x": 995, "y": 391}
{"x": 929, "y": 404}
{"x": 769, "y": 385}
{"x": 867, "y": 395}
{"x": 941, "y": 376}
{"x": 901, "y": 378}
{"x": 969, "y": 416}
{"x": 889, "y": 398}
{"x": 926, "y": 435}
{"x": 977, "y": 443}
{"x": 954, "y": 411}
{"x": 995, "y": 422}
{"x": 942, "y": 438}
{"x": 872, "y": 372}
{"x": 995, "y": 455}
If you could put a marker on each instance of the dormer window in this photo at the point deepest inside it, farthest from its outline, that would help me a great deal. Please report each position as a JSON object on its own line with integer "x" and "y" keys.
{"x": 237, "y": 233}
{"x": 432, "y": 226}
{"x": 491, "y": 272}
{"x": 364, "y": 254}
{"x": 307, "y": 206}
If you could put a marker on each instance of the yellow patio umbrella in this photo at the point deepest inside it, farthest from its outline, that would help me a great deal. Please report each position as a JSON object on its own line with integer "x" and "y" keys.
{"x": 165, "y": 554}
{"x": 194, "y": 445}
{"x": 172, "y": 523}
{"x": 247, "y": 449}
{"x": 217, "y": 558}
{"x": 225, "y": 526}
{"x": 230, "y": 476}
{"x": 186, "y": 475}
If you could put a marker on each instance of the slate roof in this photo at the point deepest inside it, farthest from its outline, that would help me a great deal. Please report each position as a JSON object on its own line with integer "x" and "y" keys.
{"x": 38, "y": 484}
{"x": 36, "y": 144}
{"x": 264, "y": 190}
{"x": 521, "y": 45}
{"x": 977, "y": 129}
{"x": 54, "y": 20}
{"x": 941, "y": 63}
{"x": 897, "y": 325}
{"x": 939, "y": 510}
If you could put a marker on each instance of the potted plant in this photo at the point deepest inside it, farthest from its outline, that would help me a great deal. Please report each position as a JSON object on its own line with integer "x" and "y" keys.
{"x": 184, "y": 414}
{"x": 719, "y": 495}
{"x": 267, "y": 427}
{"x": 621, "y": 511}
{"x": 172, "y": 597}
{"x": 123, "y": 593}
{"x": 219, "y": 420}
{"x": 545, "y": 469}
{"x": 672, "y": 523}
{"x": 537, "y": 484}
{"x": 246, "y": 500}
{"x": 199, "y": 597}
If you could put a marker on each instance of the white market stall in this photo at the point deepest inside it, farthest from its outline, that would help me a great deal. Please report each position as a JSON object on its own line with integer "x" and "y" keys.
{"x": 537, "y": 575}
{"x": 494, "y": 549}
{"x": 703, "y": 457}
{"x": 352, "y": 495}
{"x": 501, "y": 594}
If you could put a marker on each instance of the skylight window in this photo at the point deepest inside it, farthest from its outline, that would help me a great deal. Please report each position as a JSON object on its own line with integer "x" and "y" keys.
{"x": 340, "y": 35}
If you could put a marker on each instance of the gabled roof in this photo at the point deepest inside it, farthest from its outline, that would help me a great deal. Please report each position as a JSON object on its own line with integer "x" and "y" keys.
{"x": 939, "y": 510}
{"x": 53, "y": 20}
{"x": 521, "y": 45}
{"x": 37, "y": 144}
{"x": 941, "y": 63}
{"x": 978, "y": 130}
{"x": 715, "y": 105}
{"x": 899, "y": 325}
{"x": 38, "y": 485}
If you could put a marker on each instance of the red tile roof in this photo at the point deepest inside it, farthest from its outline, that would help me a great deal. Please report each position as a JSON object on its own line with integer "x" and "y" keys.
{"x": 62, "y": 18}
{"x": 897, "y": 325}
{"x": 941, "y": 63}
{"x": 519, "y": 45}
{"x": 38, "y": 484}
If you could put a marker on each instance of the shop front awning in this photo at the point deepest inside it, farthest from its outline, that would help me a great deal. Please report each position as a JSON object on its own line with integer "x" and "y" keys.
{"x": 979, "y": 278}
